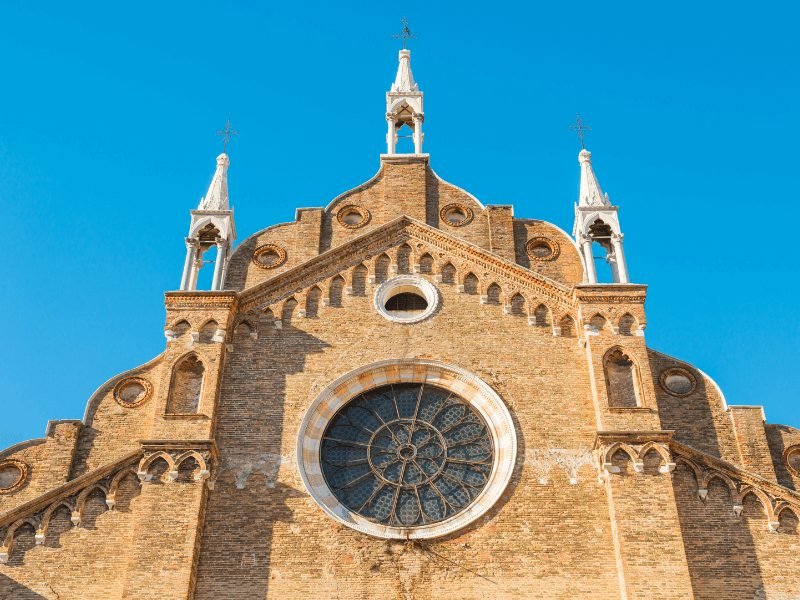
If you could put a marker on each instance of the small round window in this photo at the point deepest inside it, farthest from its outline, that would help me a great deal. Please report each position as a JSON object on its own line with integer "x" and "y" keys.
{"x": 456, "y": 215}
{"x": 678, "y": 382}
{"x": 132, "y": 392}
{"x": 352, "y": 216}
{"x": 542, "y": 248}
{"x": 792, "y": 458}
{"x": 406, "y": 299}
{"x": 13, "y": 474}
{"x": 269, "y": 256}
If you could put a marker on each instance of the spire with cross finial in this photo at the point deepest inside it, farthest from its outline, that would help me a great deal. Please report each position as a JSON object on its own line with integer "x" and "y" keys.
{"x": 596, "y": 220}
{"x": 404, "y": 100}
{"x": 211, "y": 225}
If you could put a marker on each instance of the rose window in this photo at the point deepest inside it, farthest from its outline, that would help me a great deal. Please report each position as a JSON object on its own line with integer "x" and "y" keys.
{"x": 407, "y": 455}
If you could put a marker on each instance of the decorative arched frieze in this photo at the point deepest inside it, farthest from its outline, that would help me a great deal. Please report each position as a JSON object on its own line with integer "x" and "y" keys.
{"x": 71, "y": 496}
{"x": 773, "y": 497}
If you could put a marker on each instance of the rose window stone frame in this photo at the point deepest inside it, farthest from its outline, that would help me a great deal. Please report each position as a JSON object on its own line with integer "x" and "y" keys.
{"x": 467, "y": 386}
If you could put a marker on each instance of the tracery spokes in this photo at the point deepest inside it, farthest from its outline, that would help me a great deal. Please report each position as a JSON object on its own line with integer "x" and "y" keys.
{"x": 407, "y": 455}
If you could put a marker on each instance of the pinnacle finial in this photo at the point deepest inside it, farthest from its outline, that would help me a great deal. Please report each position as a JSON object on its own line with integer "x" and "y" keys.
{"x": 405, "y": 33}
{"x": 580, "y": 128}
{"x": 226, "y": 135}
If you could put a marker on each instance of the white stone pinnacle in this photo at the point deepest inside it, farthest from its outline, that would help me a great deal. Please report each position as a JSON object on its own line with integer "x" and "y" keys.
{"x": 217, "y": 196}
{"x": 590, "y": 193}
{"x": 404, "y": 82}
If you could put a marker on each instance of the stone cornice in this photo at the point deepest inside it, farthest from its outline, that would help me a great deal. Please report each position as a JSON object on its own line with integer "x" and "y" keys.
{"x": 199, "y": 300}
{"x": 610, "y": 293}
{"x": 603, "y": 438}
{"x": 329, "y": 263}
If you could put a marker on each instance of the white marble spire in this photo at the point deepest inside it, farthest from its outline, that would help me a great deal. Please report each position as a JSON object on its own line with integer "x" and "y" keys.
{"x": 590, "y": 192}
{"x": 404, "y": 82}
{"x": 217, "y": 196}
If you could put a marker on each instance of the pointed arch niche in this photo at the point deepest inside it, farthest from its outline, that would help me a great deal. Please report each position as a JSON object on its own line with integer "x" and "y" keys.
{"x": 623, "y": 383}
{"x": 186, "y": 386}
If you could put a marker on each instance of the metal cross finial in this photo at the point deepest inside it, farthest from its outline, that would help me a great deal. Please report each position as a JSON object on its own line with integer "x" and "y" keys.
{"x": 580, "y": 129}
{"x": 227, "y": 134}
{"x": 405, "y": 33}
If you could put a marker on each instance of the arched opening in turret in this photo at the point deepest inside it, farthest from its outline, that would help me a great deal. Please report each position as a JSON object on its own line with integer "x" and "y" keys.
{"x": 207, "y": 254}
{"x": 404, "y": 129}
{"x": 603, "y": 252}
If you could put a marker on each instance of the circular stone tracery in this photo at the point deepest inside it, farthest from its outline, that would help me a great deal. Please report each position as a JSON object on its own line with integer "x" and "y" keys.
{"x": 407, "y": 455}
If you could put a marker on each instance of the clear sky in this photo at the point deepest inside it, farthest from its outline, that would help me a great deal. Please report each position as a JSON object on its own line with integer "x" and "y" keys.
{"x": 107, "y": 121}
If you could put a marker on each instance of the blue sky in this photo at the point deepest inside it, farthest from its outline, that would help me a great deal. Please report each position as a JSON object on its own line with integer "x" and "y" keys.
{"x": 107, "y": 122}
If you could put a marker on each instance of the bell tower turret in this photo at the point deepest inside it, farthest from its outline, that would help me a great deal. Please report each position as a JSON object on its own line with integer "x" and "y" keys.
{"x": 404, "y": 106}
{"x": 211, "y": 225}
{"x": 597, "y": 222}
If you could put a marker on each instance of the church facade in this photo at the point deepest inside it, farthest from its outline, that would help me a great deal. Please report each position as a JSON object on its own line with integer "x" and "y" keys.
{"x": 405, "y": 394}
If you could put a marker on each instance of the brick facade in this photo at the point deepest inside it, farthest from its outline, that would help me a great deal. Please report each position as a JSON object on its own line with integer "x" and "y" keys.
{"x": 192, "y": 490}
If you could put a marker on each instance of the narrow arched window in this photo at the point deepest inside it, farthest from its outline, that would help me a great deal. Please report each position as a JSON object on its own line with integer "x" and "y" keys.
{"x": 382, "y": 268}
{"x": 567, "y": 326}
{"x": 518, "y": 305}
{"x": 312, "y": 302}
{"x": 470, "y": 284}
{"x": 627, "y": 324}
{"x": 622, "y": 380}
{"x": 186, "y": 387}
{"x": 493, "y": 294}
{"x": 335, "y": 291}
{"x": 448, "y": 273}
{"x": 404, "y": 259}
{"x": 426, "y": 264}
{"x": 360, "y": 281}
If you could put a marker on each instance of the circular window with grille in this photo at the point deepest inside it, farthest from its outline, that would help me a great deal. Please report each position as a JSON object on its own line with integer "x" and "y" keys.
{"x": 407, "y": 449}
